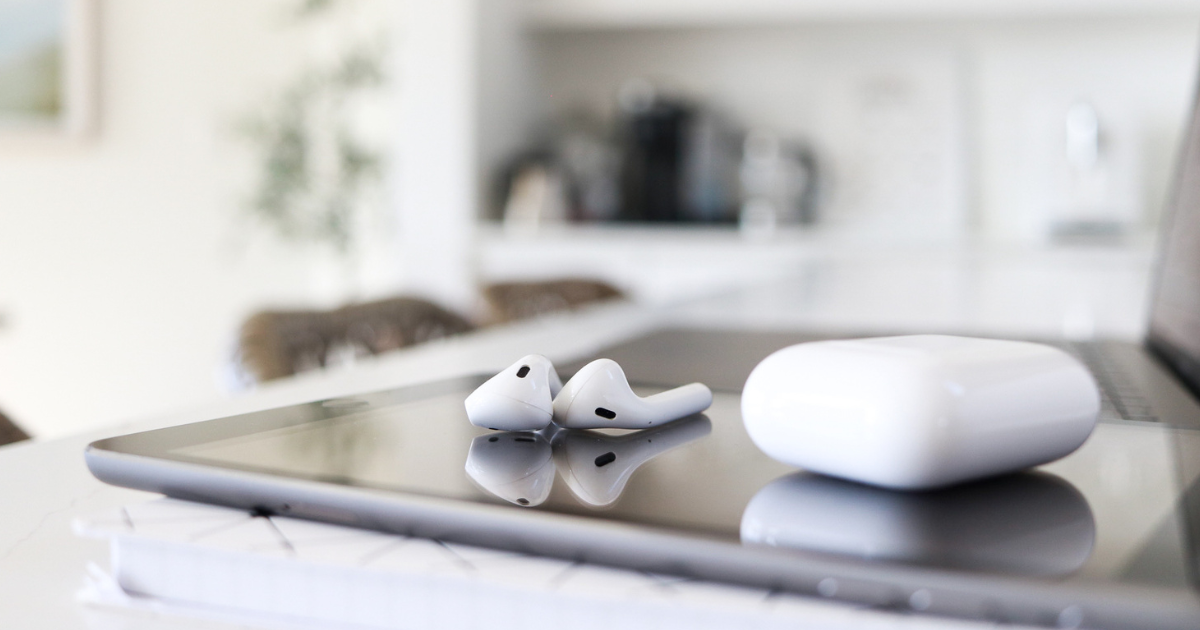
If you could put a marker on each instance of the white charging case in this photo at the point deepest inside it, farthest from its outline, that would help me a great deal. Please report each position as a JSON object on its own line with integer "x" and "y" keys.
{"x": 919, "y": 411}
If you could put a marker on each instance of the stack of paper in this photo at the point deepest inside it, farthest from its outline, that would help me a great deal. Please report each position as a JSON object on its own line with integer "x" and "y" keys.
{"x": 223, "y": 563}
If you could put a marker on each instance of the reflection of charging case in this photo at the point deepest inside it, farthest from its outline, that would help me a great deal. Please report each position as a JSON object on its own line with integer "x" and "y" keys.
{"x": 1027, "y": 524}
{"x": 596, "y": 466}
{"x": 517, "y": 467}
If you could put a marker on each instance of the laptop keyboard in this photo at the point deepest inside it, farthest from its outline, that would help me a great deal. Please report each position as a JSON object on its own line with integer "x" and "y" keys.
{"x": 1120, "y": 397}
{"x": 672, "y": 357}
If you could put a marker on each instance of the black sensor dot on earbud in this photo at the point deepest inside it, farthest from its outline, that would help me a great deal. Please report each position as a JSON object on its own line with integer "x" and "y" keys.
{"x": 523, "y": 501}
{"x": 605, "y": 413}
{"x": 606, "y": 459}
{"x": 523, "y": 371}
{"x": 493, "y": 439}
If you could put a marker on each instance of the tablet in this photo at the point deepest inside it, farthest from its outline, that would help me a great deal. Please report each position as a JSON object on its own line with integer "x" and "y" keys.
{"x": 1103, "y": 538}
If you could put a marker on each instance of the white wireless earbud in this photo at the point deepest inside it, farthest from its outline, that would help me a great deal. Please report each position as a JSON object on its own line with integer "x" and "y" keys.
{"x": 596, "y": 467}
{"x": 517, "y": 467}
{"x": 599, "y": 396}
{"x": 517, "y": 399}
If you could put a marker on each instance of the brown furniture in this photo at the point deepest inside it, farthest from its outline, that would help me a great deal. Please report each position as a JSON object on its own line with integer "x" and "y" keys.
{"x": 10, "y": 432}
{"x": 275, "y": 344}
{"x": 510, "y": 301}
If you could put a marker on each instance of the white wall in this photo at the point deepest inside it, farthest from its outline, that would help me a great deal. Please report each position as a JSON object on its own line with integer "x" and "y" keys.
{"x": 124, "y": 269}
{"x": 1139, "y": 73}
{"x": 437, "y": 188}
{"x": 467, "y": 105}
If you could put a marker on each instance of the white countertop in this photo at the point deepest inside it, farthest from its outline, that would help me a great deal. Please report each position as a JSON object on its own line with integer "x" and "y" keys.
{"x": 46, "y": 484}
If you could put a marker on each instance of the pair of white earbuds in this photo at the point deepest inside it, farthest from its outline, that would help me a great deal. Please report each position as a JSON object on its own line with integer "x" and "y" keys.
{"x": 529, "y": 395}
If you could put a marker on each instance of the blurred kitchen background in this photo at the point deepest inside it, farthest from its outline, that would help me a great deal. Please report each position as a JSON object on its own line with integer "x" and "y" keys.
{"x": 168, "y": 169}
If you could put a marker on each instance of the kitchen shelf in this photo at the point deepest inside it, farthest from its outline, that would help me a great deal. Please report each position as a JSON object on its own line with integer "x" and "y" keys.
{"x": 550, "y": 15}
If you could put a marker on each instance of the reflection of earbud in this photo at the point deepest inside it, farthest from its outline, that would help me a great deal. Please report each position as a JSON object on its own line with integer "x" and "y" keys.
{"x": 517, "y": 399}
{"x": 516, "y": 467}
{"x": 599, "y": 396}
{"x": 1026, "y": 524}
{"x": 519, "y": 467}
{"x": 596, "y": 466}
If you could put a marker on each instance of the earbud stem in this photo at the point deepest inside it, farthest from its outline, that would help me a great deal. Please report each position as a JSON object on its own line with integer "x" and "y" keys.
{"x": 678, "y": 403}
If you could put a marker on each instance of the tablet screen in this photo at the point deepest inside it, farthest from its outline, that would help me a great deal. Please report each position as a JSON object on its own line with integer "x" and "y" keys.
{"x": 1109, "y": 512}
